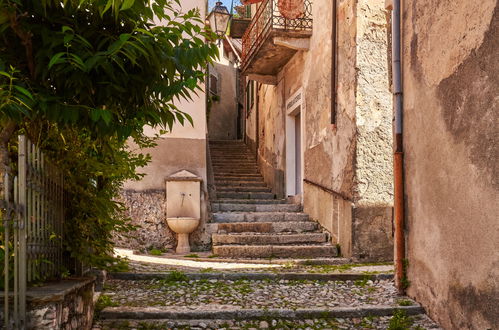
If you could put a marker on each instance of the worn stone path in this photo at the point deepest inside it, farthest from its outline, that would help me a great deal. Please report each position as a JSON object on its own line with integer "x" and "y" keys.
{"x": 345, "y": 296}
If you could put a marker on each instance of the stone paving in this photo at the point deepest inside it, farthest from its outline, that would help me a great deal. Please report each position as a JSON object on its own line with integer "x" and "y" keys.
{"x": 179, "y": 293}
{"x": 222, "y": 294}
{"x": 416, "y": 322}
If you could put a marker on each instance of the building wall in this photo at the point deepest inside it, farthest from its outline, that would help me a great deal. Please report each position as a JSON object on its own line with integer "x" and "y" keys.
{"x": 222, "y": 124}
{"x": 353, "y": 157}
{"x": 184, "y": 148}
{"x": 373, "y": 181}
{"x": 451, "y": 84}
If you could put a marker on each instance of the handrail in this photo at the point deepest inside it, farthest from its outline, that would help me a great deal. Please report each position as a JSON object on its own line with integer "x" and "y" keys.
{"x": 328, "y": 190}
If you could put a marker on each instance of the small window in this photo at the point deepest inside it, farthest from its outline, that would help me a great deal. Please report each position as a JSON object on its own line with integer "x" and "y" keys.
{"x": 250, "y": 95}
{"x": 213, "y": 84}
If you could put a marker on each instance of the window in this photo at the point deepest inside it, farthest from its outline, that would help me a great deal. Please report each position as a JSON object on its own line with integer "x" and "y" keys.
{"x": 250, "y": 96}
{"x": 213, "y": 84}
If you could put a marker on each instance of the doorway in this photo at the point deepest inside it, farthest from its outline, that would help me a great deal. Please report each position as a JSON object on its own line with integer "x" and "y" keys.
{"x": 294, "y": 140}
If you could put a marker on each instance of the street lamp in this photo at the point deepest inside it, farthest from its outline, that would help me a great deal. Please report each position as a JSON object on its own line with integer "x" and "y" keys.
{"x": 219, "y": 19}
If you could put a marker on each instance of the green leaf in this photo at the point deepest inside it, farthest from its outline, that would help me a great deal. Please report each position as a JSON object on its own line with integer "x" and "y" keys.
{"x": 127, "y": 4}
{"x": 24, "y": 91}
{"x": 57, "y": 58}
{"x": 95, "y": 114}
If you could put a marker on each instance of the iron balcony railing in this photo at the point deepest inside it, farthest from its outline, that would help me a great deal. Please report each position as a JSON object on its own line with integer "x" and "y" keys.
{"x": 267, "y": 19}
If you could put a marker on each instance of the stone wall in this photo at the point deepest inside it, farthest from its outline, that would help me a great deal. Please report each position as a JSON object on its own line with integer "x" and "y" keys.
{"x": 451, "y": 84}
{"x": 67, "y": 305}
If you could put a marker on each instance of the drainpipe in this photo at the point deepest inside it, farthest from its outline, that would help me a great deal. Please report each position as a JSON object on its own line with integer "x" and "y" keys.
{"x": 398, "y": 160}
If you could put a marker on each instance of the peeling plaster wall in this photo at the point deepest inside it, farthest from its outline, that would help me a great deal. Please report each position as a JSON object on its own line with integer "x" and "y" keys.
{"x": 451, "y": 84}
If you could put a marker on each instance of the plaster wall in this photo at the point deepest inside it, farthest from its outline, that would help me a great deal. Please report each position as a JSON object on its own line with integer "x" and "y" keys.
{"x": 222, "y": 124}
{"x": 451, "y": 84}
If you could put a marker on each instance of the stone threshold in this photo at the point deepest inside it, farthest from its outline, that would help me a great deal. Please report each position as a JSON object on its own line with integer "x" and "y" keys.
{"x": 152, "y": 313}
{"x": 254, "y": 276}
{"x": 54, "y": 291}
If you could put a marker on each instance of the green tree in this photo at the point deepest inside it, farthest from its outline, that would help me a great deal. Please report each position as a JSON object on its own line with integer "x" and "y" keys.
{"x": 80, "y": 77}
{"x": 100, "y": 64}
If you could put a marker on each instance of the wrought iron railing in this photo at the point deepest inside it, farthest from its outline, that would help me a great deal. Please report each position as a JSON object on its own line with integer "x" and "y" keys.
{"x": 33, "y": 217}
{"x": 268, "y": 18}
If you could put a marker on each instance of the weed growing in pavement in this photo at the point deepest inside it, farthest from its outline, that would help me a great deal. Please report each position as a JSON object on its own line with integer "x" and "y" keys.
{"x": 404, "y": 302}
{"x": 192, "y": 255}
{"x": 206, "y": 270}
{"x": 155, "y": 252}
{"x": 103, "y": 302}
{"x": 400, "y": 321}
{"x": 363, "y": 282}
{"x": 213, "y": 256}
{"x": 149, "y": 326}
{"x": 174, "y": 277}
{"x": 366, "y": 322}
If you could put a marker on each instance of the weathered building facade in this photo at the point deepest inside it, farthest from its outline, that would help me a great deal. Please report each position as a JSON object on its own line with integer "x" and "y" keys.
{"x": 321, "y": 128}
{"x": 450, "y": 68}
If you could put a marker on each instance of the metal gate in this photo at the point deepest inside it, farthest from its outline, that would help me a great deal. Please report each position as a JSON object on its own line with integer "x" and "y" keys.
{"x": 33, "y": 217}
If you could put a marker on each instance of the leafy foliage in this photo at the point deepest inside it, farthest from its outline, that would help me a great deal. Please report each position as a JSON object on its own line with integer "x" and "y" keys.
{"x": 104, "y": 64}
{"x": 80, "y": 78}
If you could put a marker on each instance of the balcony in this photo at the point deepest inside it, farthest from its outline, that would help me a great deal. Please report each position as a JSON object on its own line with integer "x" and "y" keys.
{"x": 271, "y": 40}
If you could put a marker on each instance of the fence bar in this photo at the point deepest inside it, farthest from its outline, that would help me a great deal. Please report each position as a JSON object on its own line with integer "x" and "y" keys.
{"x": 6, "y": 224}
{"x": 22, "y": 231}
{"x": 16, "y": 253}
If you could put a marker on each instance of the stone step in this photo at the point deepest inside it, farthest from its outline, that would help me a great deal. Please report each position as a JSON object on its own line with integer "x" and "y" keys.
{"x": 250, "y": 201}
{"x": 242, "y": 189}
{"x": 235, "y": 169}
{"x": 275, "y": 251}
{"x": 243, "y": 195}
{"x": 239, "y": 183}
{"x": 232, "y": 175}
{"x": 233, "y": 160}
{"x": 259, "y": 216}
{"x": 235, "y": 207}
{"x": 268, "y": 227}
{"x": 238, "y": 178}
{"x": 268, "y": 239}
{"x": 231, "y": 167}
{"x": 236, "y": 172}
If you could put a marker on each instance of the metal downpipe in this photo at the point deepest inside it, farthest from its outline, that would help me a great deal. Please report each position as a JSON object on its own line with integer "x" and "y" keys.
{"x": 398, "y": 160}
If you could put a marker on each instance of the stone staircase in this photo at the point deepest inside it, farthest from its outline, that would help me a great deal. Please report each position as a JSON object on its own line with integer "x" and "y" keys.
{"x": 251, "y": 221}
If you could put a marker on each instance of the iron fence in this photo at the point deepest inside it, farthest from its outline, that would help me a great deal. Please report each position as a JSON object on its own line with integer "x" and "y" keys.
{"x": 33, "y": 217}
{"x": 268, "y": 18}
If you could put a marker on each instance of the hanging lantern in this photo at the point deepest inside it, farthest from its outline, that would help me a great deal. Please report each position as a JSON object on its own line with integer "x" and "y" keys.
{"x": 291, "y": 9}
{"x": 219, "y": 19}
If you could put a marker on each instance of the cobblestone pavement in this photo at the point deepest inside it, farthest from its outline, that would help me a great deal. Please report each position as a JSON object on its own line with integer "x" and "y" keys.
{"x": 177, "y": 293}
{"x": 223, "y": 294}
{"x": 416, "y": 322}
